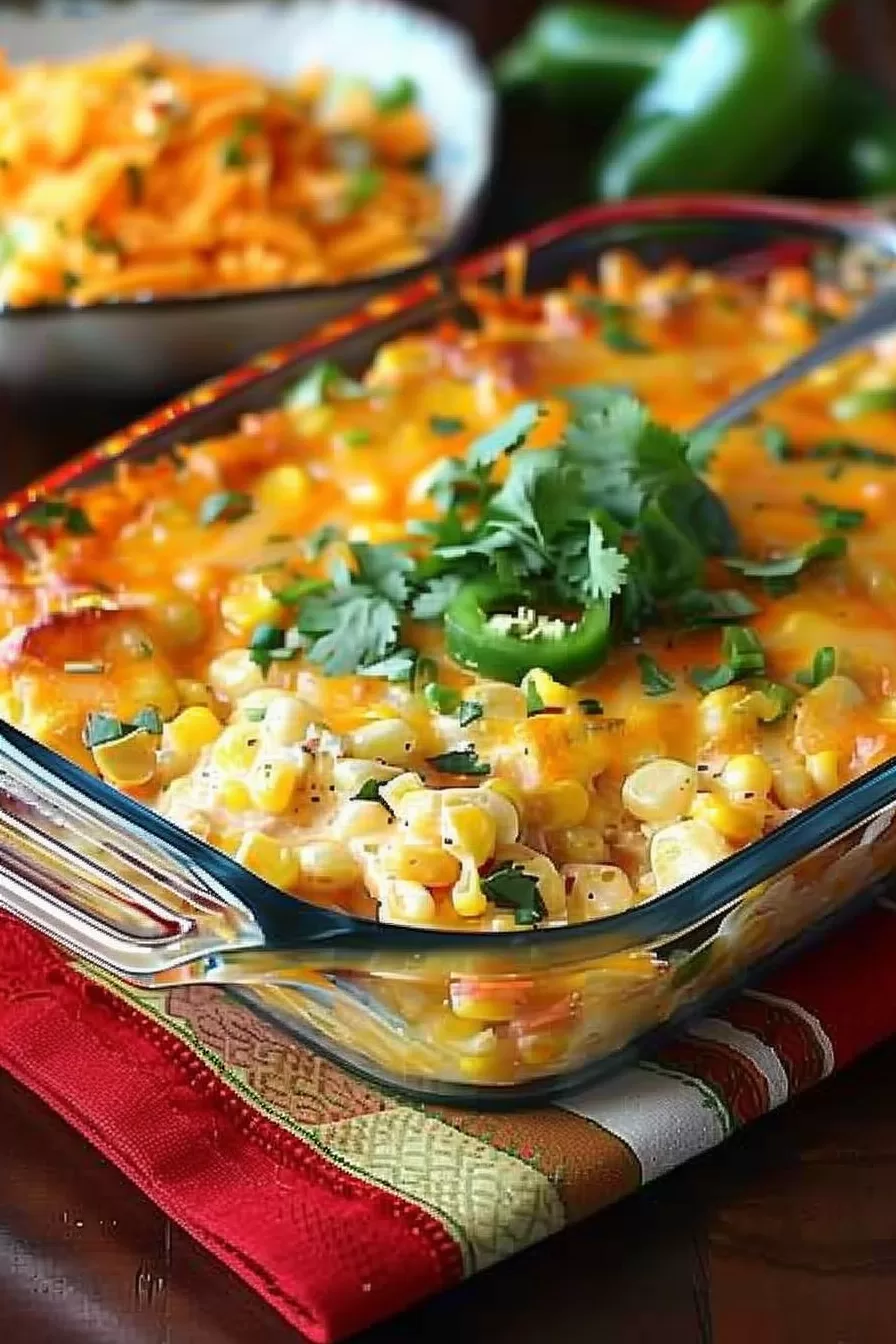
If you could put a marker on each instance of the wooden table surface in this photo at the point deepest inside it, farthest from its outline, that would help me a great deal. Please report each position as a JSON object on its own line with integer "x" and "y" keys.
{"x": 786, "y": 1235}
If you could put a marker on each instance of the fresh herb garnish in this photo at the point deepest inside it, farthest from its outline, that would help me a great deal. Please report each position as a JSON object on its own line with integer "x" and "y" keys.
{"x": 362, "y": 186}
{"x": 397, "y": 666}
{"x": 510, "y": 887}
{"x": 49, "y": 511}
{"x": 265, "y": 641}
{"x": 712, "y": 606}
{"x": 653, "y": 679}
{"x": 778, "y": 573}
{"x": 866, "y": 401}
{"x": 255, "y": 713}
{"x": 317, "y": 541}
{"x": 846, "y": 450}
{"x": 371, "y": 792}
{"x": 441, "y": 699}
{"x": 430, "y": 603}
{"x": 833, "y": 518}
{"x": 446, "y": 425}
{"x": 824, "y": 665}
{"x": 224, "y": 506}
{"x": 776, "y": 442}
{"x": 534, "y": 702}
{"x": 396, "y": 96}
{"x": 468, "y": 711}
{"x": 357, "y": 437}
{"x": 234, "y": 153}
{"x": 781, "y": 697}
{"x": 742, "y": 656}
{"x": 464, "y": 761}
{"x": 324, "y": 382}
{"x": 101, "y": 727}
{"x": 355, "y": 621}
{"x": 298, "y": 589}
{"x": 100, "y": 242}
{"x": 615, "y": 326}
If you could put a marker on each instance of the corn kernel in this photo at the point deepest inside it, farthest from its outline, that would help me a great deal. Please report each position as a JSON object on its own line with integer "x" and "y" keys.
{"x": 272, "y": 785}
{"x": 470, "y": 830}
{"x": 328, "y": 863}
{"x": 467, "y": 897}
{"x": 421, "y": 813}
{"x": 497, "y": 1001}
{"x": 747, "y": 775}
{"x": 232, "y": 795}
{"x": 427, "y": 864}
{"x": 358, "y": 818}
{"x": 824, "y": 770}
{"x": 660, "y": 791}
{"x": 738, "y": 824}
{"x": 398, "y": 788}
{"x": 719, "y": 714}
{"x": 553, "y": 694}
{"x": 193, "y": 692}
{"x": 233, "y": 674}
{"x": 389, "y": 740}
{"x": 543, "y": 1048}
{"x": 283, "y": 488}
{"x": 684, "y": 850}
{"x": 236, "y": 747}
{"x": 286, "y": 721}
{"x": 506, "y": 789}
{"x": 277, "y": 864}
{"x": 179, "y": 622}
{"x": 596, "y": 890}
{"x": 793, "y": 786}
{"x": 349, "y": 775}
{"x": 249, "y": 602}
{"x": 407, "y": 902}
{"x": 564, "y": 803}
{"x": 192, "y": 729}
{"x": 128, "y": 761}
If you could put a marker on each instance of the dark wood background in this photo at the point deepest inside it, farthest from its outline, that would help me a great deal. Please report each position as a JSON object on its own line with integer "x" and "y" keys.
{"x": 787, "y": 1235}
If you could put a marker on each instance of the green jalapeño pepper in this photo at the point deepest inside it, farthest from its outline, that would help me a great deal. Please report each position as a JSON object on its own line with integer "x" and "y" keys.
{"x": 588, "y": 55}
{"x": 732, "y": 108}
{"x": 482, "y": 636}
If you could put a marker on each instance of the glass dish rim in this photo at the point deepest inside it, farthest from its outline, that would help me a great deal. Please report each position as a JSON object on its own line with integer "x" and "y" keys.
{"x": 668, "y": 915}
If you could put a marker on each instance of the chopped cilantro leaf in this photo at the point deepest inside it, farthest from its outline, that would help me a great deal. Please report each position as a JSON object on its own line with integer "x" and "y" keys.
{"x": 788, "y": 566}
{"x": 397, "y": 666}
{"x": 431, "y": 601}
{"x": 441, "y": 699}
{"x": 510, "y": 887}
{"x": 606, "y": 566}
{"x": 776, "y": 442}
{"x": 534, "y": 703}
{"x": 354, "y": 623}
{"x": 100, "y": 727}
{"x": 298, "y": 589}
{"x": 833, "y": 518}
{"x": 653, "y": 679}
{"x": 446, "y": 425}
{"x": 865, "y": 401}
{"x": 324, "y": 382}
{"x": 742, "y": 656}
{"x": 224, "y": 506}
{"x": 49, "y": 511}
{"x": 318, "y": 540}
{"x": 401, "y": 93}
{"x": 505, "y": 438}
{"x": 712, "y": 606}
{"x": 468, "y": 711}
{"x": 590, "y": 706}
{"x": 824, "y": 665}
{"x": 464, "y": 761}
{"x": 362, "y": 186}
{"x": 702, "y": 448}
{"x": 371, "y": 792}
{"x": 842, "y": 451}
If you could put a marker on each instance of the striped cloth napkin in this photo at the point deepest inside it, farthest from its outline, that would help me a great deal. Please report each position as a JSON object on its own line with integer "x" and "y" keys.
{"x": 339, "y": 1203}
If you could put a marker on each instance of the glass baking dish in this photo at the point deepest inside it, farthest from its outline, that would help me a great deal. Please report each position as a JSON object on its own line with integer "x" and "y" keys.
{"x": 124, "y": 889}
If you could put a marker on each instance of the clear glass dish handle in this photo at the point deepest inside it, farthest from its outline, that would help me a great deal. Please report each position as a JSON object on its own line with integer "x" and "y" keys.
{"x": 103, "y": 886}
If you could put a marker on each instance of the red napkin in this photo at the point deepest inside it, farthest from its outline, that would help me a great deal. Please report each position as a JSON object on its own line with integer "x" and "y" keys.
{"x": 341, "y": 1205}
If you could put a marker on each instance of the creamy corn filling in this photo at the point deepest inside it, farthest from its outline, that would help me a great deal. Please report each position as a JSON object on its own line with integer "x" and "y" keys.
{"x": 246, "y": 638}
